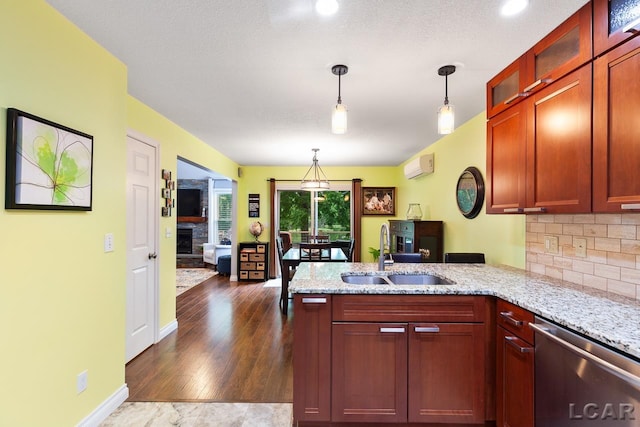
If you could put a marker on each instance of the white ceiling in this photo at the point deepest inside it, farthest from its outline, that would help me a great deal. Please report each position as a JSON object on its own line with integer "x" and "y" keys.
{"x": 252, "y": 78}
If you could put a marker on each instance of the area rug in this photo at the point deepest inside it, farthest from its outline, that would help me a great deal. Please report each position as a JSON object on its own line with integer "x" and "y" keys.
{"x": 187, "y": 278}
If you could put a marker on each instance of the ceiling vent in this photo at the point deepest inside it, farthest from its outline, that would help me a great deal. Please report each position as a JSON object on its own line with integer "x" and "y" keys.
{"x": 419, "y": 166}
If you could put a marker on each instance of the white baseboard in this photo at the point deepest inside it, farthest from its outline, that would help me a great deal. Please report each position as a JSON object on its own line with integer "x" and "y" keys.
{"x": 166, "y": 330}
{"x": 233, "y": 278}
{"x": 106, "y": 408}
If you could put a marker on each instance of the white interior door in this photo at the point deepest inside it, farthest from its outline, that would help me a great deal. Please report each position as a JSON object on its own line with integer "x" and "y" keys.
{"x": 142, "y": 216}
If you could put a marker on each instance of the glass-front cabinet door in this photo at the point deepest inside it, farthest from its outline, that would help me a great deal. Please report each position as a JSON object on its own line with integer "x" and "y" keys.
{"x": 614, "y": 21}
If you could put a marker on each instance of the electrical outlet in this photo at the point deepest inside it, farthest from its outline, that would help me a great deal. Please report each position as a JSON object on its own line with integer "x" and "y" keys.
{"x": 167, "y": 232}
{"x": 580, "y": 245}
{"x": 81, "y": 381}
{"x": 551, "y": 244}
{"x": 108, "y": 242}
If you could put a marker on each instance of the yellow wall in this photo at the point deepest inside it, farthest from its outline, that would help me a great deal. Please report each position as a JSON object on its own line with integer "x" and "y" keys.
{"x": 254, "y": 180}
{"x": 500, "y": 237}
{"x": 63, "y": 298}
{"x": 174, "y": 141}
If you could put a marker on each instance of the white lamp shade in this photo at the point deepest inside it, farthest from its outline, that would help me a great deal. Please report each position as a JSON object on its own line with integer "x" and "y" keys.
{"x": 315, "y": 185}
{"x": 446, "y": 119}
{"x": 339, "y": 119}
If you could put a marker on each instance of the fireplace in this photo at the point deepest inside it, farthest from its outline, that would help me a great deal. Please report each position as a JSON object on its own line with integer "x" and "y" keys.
{"x": 184, "y": 241}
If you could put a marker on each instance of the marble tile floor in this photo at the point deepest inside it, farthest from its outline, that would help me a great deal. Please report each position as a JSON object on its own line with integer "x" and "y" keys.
{"x": 160, "y": 414}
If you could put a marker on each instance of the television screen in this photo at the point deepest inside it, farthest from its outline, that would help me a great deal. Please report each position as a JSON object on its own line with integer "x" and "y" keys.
{"x": 189, "y": 202}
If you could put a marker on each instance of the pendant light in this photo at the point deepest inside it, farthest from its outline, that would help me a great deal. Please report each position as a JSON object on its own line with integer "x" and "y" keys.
{"x": 315, "y": 179}
{"x": 339, "y": 115}
{"x": 446, "y": 116}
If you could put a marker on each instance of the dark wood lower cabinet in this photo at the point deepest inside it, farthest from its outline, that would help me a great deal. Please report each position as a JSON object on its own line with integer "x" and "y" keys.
{"x": 369, "y": 375}
{"x": 312, "y": 358}
{"x": 446, "y": 373}
{"x": 430, "y": 371}
{"x": 514, "y": 367}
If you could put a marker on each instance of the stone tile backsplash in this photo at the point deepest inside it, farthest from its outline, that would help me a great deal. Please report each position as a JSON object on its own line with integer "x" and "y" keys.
{"x": 612, "y": 261}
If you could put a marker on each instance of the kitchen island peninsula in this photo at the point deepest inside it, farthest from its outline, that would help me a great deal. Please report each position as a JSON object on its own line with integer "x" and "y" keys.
{"x": 422, "y": 354}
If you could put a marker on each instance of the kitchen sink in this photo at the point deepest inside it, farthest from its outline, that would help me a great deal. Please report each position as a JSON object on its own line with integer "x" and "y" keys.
{"x": 395, "y": 279}
{"x": 417, "y": 279}
{"x": 358, "y": 279}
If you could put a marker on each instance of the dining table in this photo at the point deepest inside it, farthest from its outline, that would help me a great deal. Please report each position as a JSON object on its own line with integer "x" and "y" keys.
{"x": 292, "y": 258}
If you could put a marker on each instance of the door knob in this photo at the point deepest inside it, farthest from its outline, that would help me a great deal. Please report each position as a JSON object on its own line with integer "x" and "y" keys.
{"x": 153, "y": 256}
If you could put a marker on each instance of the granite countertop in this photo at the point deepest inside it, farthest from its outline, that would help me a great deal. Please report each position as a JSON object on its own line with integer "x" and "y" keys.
{"x": 605, "y": 317}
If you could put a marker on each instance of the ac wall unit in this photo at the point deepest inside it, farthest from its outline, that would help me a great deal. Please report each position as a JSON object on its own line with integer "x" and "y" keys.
{"x": 419, "y": 166}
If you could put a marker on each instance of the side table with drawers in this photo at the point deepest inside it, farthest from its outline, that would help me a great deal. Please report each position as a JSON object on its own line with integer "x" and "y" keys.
{"x": 253, "y": 261}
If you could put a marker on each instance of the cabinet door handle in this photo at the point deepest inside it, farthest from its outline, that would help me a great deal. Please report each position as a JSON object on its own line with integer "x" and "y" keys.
{"x": 535, "y": 209}
{"x": 513, "y": 342}
{"x": 631, "y": 26}
{"x": 508, "y": 317}
{"x": 630, "y": 206}
{"x": 314, "y": 300}
{"x": 432, "y": 329}
{"x": 514, "y": 97}
{"x": 512, "y": 210}
{"x": 535, "y": 84}
{"x": 392, "y": 330}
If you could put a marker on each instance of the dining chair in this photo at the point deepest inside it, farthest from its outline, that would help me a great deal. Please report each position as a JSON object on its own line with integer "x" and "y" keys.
{"x": 464, "y": 257}
{"x": 286, "y": 240}
{"x": 404, "y": 257}
{"x": 315, "y": 251}
{"x": 289, "y": 272}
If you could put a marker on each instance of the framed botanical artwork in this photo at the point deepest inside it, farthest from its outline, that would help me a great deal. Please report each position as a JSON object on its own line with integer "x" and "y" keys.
{"x": 48, "y": 166}
{"x": 379, "y": 201}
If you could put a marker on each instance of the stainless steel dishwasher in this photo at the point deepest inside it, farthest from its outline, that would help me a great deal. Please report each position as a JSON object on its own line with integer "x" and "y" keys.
{"x": 582, "y": 383}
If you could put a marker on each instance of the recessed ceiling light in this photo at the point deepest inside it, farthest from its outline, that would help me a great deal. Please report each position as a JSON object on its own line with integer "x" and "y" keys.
{"x": 513, "y": 7}
{"x": 326, "y": 7}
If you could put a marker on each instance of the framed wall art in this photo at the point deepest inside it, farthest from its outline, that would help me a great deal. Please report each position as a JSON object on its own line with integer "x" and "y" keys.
{"x": 379, "y": 201}
{"x": 48, "y": 166}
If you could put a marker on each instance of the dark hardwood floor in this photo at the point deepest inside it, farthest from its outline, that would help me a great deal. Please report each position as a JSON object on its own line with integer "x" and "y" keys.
{"x": 232, "y": 345}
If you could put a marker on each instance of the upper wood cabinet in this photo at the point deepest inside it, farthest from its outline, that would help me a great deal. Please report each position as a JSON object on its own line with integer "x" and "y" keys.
{"x": 539, "y": 152}
{"x": 558, "y": 170}
{"x": 564, "y": 49}
{"x": 616, "y": 111}
{"x": 614, "y": 21}
{"x": 506, "y": 151}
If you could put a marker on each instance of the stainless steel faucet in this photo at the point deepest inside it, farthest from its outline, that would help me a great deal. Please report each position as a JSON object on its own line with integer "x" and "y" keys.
{"x": 384, "y": 241}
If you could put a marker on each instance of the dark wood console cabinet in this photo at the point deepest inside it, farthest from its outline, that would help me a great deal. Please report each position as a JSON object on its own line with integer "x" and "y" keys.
{"x": 411, "y": 236}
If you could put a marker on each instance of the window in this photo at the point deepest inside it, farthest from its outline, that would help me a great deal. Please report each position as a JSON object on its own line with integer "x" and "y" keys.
{"x": 221, "y": 220}
{"x": 305, "y": 213}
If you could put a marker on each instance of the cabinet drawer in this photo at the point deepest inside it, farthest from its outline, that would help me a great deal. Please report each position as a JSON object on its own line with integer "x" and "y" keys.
{"x": 261, "y": 249}
{"x": 515, "y": 320}
{"x": 256, "y": 257}
{"x": 256, "y": 275}
{"x": 244, "y": 256}
{"x": 247, "y": 266}
{"x": 244, "y": 275}
{"x": 260, "y": 265}
{"x": 408, "y": 308}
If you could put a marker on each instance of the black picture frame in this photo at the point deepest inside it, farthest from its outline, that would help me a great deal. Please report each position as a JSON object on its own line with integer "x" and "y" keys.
{"x": 48, "y": 166}
{"x": 470, "y": 192}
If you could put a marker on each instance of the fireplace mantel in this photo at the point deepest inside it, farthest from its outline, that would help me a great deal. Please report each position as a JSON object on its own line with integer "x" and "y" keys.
{"x": 192, "y": 219}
